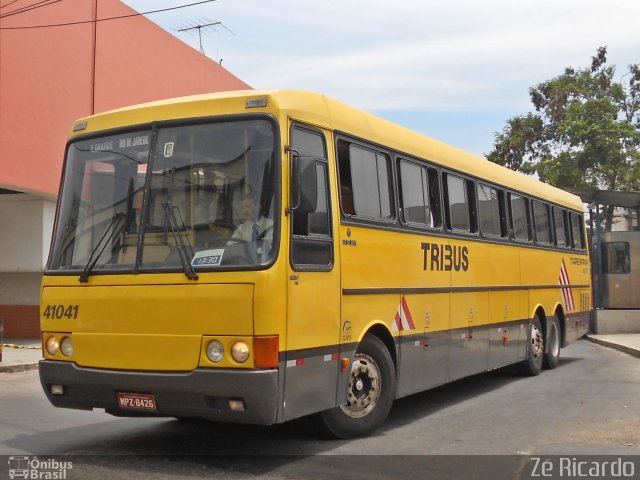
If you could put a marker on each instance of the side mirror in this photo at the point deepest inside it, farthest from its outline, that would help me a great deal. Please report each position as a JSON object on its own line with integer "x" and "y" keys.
{"x": 304, "y": 191}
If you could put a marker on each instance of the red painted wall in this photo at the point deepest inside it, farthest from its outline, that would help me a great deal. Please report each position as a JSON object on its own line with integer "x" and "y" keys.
{"x": 47, "y": 78}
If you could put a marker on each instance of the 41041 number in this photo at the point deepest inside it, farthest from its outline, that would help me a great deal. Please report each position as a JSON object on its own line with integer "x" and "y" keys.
{"x": 61, "y": 311}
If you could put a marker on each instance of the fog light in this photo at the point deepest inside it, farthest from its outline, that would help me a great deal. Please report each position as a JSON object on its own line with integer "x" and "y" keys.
{"x": 240, "y": 352}
{"x": 57, "y": 390}
{"x": 66, "y": 347}
{"x": 237, "y": 405}
{"x": 52, "y": 346}
{"x": 215, "y": 351}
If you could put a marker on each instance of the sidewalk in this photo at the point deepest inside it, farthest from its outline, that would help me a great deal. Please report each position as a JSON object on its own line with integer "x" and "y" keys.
{"x": 19, "y": 355}
{"x": 625, "y": 342}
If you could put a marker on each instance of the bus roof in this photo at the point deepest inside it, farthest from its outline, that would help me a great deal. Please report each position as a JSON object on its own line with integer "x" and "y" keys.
{"x": 323, "y": 111}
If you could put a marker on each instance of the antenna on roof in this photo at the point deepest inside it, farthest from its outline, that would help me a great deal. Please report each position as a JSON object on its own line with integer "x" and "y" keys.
{"x": 201, "y": 24}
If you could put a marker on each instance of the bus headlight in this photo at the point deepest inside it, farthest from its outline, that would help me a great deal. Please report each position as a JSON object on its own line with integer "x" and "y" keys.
{"x": 240, "y": 352}
{"x": 66, "y": 347}
{"x": 215, "y": 351}
{"x": 52, "y": 346}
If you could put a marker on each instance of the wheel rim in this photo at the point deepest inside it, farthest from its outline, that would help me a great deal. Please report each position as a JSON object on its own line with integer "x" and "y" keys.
{"x": 364, "y": 387}
{"x": 554, "y": 340}
{"x": 537, "y": 341}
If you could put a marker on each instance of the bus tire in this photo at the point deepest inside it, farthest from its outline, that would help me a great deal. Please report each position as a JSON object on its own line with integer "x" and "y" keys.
{"x": 532, "y": 365}
{"x": 552, "y": 357}
{"x": 372, "y": 387}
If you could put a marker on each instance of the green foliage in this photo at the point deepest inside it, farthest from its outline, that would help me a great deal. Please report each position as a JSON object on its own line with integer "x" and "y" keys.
{"x": 585, "y": 131}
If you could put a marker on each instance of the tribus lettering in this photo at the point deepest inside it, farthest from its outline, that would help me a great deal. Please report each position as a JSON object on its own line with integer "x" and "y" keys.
{"x": 440, "y": 257}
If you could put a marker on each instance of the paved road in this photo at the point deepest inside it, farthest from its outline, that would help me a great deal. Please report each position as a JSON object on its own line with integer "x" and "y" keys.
{"x": 589, "y": 405}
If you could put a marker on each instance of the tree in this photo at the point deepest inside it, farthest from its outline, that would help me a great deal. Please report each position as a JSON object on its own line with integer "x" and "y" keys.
{"x": 585, "y": 131}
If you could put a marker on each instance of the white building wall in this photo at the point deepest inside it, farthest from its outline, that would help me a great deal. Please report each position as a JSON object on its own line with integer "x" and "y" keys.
{"x": 26, "y": 222}
{"x": 25, "y": 232}
{"x": 48, "y": 217}
{"x": 20, "y": 288}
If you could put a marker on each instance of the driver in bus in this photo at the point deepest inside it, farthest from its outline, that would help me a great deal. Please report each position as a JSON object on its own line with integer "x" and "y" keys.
{"x": 256, "y": 228}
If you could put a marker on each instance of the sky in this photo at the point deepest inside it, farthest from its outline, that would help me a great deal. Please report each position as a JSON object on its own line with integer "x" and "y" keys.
{"x": 454, "y": 70}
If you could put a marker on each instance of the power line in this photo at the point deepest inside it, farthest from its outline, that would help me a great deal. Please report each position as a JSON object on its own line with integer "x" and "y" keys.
{"x": 10, "y": 3}
{"x": 51, "y": 25}
{"x": 28, "y": 8}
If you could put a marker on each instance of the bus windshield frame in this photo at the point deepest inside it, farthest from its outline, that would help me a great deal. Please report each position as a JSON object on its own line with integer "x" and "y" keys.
{"x": 195, "y": 196}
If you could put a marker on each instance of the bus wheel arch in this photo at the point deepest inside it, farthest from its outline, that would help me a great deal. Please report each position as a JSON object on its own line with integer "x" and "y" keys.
{"x": 385, "y": 337}
{"x": 371, "y": 390}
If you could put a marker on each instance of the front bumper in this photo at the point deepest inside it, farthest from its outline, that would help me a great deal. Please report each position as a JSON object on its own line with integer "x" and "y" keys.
{"x": 201, "y": 393}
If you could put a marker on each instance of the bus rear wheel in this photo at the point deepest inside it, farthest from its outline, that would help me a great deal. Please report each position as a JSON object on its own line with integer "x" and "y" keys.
{"x": 532, "y": 365}
{"x": 552, "y": 357}
{"x": 371, "y": 390}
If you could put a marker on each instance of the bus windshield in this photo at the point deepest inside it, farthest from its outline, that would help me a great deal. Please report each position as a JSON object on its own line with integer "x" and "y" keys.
{"x": 183, "y": 198}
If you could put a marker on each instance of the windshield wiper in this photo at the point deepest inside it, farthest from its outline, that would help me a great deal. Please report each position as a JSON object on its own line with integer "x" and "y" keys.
{"x": 185, "y": 250}
{"x": 112, "y": 231}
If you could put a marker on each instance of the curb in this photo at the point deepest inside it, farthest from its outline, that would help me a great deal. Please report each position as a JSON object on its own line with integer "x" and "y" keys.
{"x": 616, "y": 346}
{"x": 20, "y": 367}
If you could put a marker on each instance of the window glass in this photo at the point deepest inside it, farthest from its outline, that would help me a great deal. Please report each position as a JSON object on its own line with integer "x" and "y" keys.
{"x": 212, "y": 197}
{"x": 210, "y": 201}
{"x": 383, "y": 185}
{"x": 541, "y": 222}
{"x": 490, "y": 211}
{"x": 364, "y": 181}
{"x": 560, "y": 226}
{"x": 457, "y": 203}
{"x": 102, "y": 195}
{"x": 577, "y": 231}
{"x": 415, "y": 194}
{"x": 319, "y": 219}
{"x": 419, "y": 194}
{"x": 308, "y": 143}
{"x": 311, "y": 240}
{"x": 519, "y": 217}
{"x": 616, "y": 257}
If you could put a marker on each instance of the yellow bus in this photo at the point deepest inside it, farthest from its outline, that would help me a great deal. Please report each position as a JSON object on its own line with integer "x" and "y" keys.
{"x": 259, "y": 256}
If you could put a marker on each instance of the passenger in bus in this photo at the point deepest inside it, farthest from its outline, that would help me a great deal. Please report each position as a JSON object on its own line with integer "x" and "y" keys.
{"x": 256, "y": 228}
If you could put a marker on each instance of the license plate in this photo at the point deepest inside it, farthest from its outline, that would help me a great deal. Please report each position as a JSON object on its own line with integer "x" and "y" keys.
{"x": 137, "y": 401}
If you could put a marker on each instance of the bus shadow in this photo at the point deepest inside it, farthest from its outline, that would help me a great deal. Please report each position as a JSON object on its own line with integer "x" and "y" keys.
{"x": 169, "y": 446}
{"x": 423, "y": 404}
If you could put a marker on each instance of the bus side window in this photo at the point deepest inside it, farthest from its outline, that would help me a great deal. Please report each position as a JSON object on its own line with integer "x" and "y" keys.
{"x": 365, "y": 188}
{"x": 561, "y": 227}
{"x": 520, "y": 219}
{"x": 577, "y": 231}
{"x": 434, "y": 197}
{"x": 419, "y": 195}
{"x": 491, "y": 212}
{"x": 460, "y": 204}
{"x": 541, "y": 222}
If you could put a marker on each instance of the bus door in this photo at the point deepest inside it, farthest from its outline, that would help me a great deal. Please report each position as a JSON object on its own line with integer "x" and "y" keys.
{"x": 313, "y": 281}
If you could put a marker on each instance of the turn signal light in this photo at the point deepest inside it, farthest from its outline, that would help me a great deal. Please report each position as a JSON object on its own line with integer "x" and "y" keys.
{"x": 265, "y": 350}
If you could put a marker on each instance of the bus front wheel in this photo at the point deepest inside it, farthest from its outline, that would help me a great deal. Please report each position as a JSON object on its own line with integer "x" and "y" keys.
{"x": 532, "y": 365}
{"x": 372, "y": 386}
